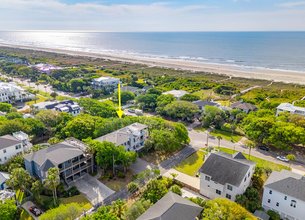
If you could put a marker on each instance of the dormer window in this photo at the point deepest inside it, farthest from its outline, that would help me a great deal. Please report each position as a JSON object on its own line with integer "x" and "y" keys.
{"x": 270, "y": 192}
{"x": 229, "y": 187}
{"x": 293, "y": 203}
{"x": 207, "y": 178}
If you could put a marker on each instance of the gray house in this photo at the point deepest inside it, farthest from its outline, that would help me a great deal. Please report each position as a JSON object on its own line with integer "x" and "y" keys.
{"x": 224, "y": 175}
{"x": 69, "y": 156}
{"x": 172, "y": 207}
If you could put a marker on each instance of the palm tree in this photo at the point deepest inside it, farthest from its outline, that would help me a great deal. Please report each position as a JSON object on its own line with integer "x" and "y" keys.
{"x": 250, "y": 145}
{"x": 219, "y": 139}
{"x": 52, "y": 181}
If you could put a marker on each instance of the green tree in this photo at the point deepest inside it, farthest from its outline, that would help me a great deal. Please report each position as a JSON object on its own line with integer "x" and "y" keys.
{"x": 190, "y": 97}
{"x": 213, "y": 116}
{"x": 8, "y": 209}
{"x": 5, "y": 107}
{"x": 19, "y": 179}
{"x": 52, "y": 181}
{"x": 220, "y": 209}
{"x": 164, "y": 140}
{"x": 250, "y": 144}
{"x": 125, "y": 96}
{"x": 250, "y": 199}
{"x": 104, "y": 212}
{"x": 181, "y": 110}
{"x": 64, "y": 211}
{"x": 147, "y": 101}
{"x": 291, "y": 158}
{"x": 155, "y": 190}
{"x": 105, "y": 109}
{"x": 137, "y": 209}
{"x": 37, "y": 188}
{"x": 176, "y": 189}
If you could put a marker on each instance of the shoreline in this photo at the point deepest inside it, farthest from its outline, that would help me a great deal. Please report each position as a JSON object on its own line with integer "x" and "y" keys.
{"x": 286, "y": 76}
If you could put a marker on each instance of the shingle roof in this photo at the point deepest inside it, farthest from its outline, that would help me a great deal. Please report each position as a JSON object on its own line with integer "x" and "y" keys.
{"x": 7, "y": 141}
{"x": 287, "y": 183}
{"x": 224, "y": 168}
{"x": 55, "y": 154}
{"x": 244, "y": 106}
{"x": 172, "y": 207}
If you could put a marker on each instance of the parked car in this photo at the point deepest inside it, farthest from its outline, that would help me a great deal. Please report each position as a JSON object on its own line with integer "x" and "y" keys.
{"x": 264, "y": 148}
{"x": 282, "y": 158}
{"x": 131, "y": 110}
{"x": 36, "y": 211}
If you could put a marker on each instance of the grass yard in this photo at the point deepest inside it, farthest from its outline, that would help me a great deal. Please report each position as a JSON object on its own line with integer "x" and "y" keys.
{"x": 259, "y": 162}
{"x": 226, "y": 103}
{"x": 80, "y": 199}
{"x": 204, "y": 94}
{"x": 226, "y": 135}
{"x": 25, "y": 215}
{"x": 192, "y": 164}
{"x": 116, "y": 183}
{"x": 40, "y": 98}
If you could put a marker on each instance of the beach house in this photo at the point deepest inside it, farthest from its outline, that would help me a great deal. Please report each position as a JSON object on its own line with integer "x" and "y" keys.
{"x": 11, "y": 145}
{"x": 11, "y": 93}
{"x": 225, "y": 175}
{"x": 108, "y": 84}
{"x": 132, "y": 137}
{"x": 70, "y": 157}
{"x": 284, "y": 192}
{"x": 287, "y": 107}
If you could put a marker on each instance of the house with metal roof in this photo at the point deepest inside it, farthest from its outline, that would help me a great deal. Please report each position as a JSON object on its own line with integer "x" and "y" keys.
{"x": 107, "y": 83}
{"x": 244, "y": 106}
{"x": 284, "y": 192}
{"x": 172, "y": 207}
{"x": 287, "y": 107}
{"x": 67, "y": 106}
{"x": 11, "y": 145}
{"x": 225, "y": 175}
{"x": 132, "y": 137}
{"x": 176, "y": 93}
{"x": 69, "y": 156}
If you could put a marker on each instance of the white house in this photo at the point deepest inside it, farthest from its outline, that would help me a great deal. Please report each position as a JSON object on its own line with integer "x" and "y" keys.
{"x": 107, "y": 83}
{"x": 67, "y": 106}
{"x": 225, "y": 175}
{"x": 287, "y": 107}
{"x": 176, "y": 93}
{"x": 132, "y": 137}
{"x": 11, "y": 145}
{"x": 10, "y": 93}
{"x": 3, "y": 178}
{"x": 284, "y": 192}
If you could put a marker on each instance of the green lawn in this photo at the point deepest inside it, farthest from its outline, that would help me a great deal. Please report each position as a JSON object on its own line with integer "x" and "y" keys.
{"x": 40, "y": 98}
{"x": 25, "y": 215}
{"x": 192, "y": 164}
{"x": 226, "y": 135}
{"x": 204, "y": 94}
{"x": 80, "y": 199}
{"x": 259, "y": 162}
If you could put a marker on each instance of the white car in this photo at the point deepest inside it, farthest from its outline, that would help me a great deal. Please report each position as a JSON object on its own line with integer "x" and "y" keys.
{"x": 282, "y": 158}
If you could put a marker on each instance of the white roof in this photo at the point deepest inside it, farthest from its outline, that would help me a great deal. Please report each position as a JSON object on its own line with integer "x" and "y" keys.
{"x": 3, "y": 177}
{"x": 10, "y": 87}
{"x": 176, "y": 93}
{"x": 106, "y": 79}
{"x": 290, "y": 108}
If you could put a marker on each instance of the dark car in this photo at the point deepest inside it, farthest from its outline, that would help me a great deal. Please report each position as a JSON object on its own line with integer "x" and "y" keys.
{"x": 263, "y": 148}
{"x": 36, "y": 211}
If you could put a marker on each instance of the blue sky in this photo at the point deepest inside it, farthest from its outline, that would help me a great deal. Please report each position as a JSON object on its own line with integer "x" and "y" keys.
{"x": 151, "y": 15}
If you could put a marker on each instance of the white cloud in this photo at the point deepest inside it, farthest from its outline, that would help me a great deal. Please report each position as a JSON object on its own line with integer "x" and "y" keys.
{"x": 54, "y": 14}
{"x": 292, "y": 4}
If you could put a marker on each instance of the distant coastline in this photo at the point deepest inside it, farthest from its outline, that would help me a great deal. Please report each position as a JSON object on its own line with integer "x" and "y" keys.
{"x": 286, "y": 76}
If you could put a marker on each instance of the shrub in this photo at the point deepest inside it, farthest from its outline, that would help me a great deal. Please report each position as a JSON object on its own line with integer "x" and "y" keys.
{"x": 132, "y": 187}
{"x": 273, "y": 215}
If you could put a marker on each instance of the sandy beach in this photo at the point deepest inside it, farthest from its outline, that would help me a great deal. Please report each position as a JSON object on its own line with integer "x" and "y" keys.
{"x": 286, "y": 76}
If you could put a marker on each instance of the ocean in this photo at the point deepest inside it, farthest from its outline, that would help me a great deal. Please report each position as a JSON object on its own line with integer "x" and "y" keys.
{"x": 271, "y": 50}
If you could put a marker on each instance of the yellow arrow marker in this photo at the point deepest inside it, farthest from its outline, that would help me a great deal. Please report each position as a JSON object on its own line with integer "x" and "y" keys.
{"x": 119, "y": 112}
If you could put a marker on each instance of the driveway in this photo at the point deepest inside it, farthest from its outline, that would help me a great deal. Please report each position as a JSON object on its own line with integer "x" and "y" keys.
{"x": 93, "y": 189}
{"x": 26, "y": 207}
{"x": 140, "y": 165}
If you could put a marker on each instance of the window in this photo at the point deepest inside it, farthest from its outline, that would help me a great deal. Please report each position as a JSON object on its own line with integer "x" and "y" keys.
{"x": 270, "y": 192}
{"x": 277, "y": 204}
{"x": 218, "y": 192}
{"x": 17, "y": 147}
{"x": 249, "y": 174}
{"x": 285, "y": 197}
{"x": 245, "y": 179}
{"x": 293, "y": 203}
{"x": 207, "y": 178}
{"x": 5, "y": 158}
{"x": 4, "y": 151}
{"x": 269, "y": 200}
{"x": 229, "y": 187}
{"x": 228, "y": 196}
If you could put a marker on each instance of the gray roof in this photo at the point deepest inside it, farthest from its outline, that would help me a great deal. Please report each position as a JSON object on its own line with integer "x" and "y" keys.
{"x": 288, "y": 183}
{"x": 202, "y": 103}
{"x": 261, "y": 215}
{"x": 122, "y": 135}
{"x": 57, "y": 154}
{"x": 226, "y": 169}
{"x": 244, "y": 106}
{"x": 7, "y": 141}
{"x": 172, "y": 207}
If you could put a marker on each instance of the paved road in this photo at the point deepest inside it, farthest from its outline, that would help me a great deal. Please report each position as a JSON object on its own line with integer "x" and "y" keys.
{"x": 198, "y": 140}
